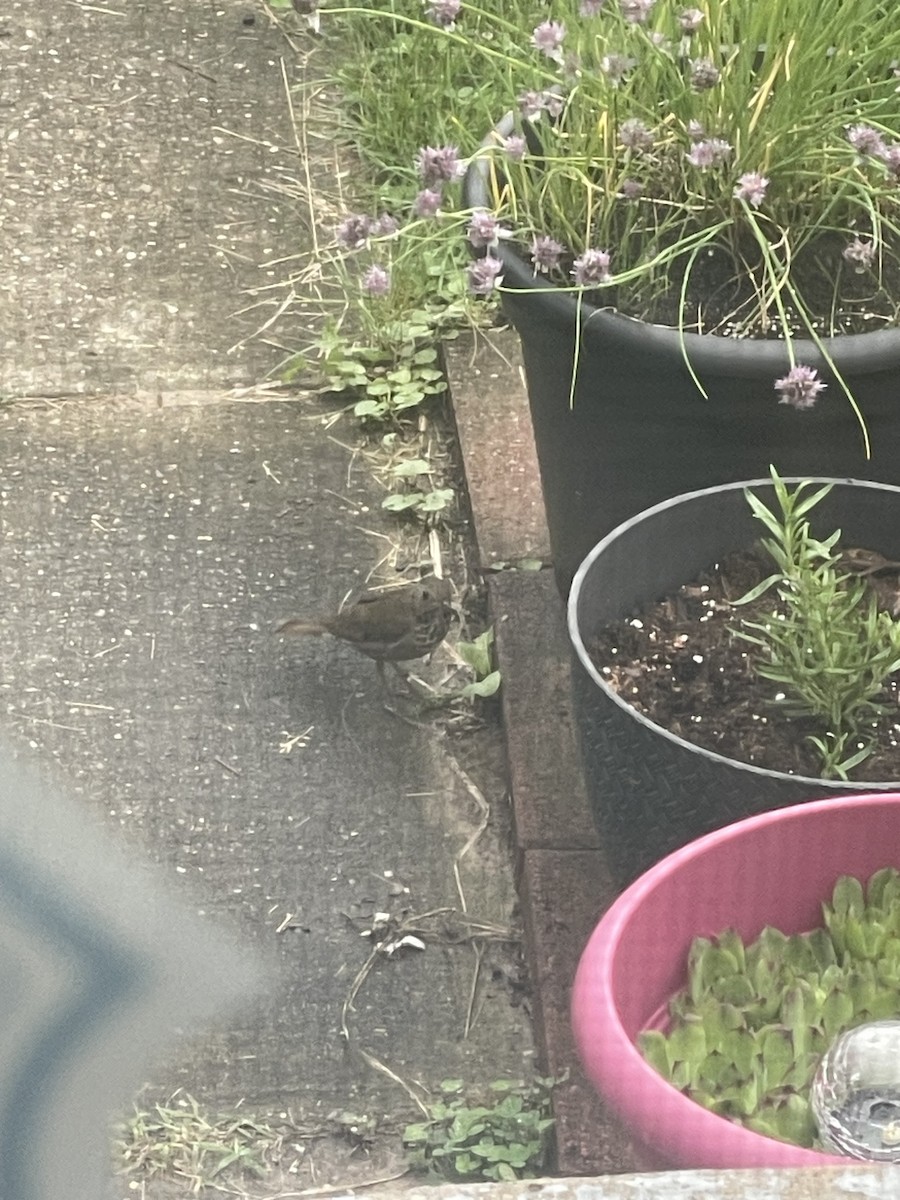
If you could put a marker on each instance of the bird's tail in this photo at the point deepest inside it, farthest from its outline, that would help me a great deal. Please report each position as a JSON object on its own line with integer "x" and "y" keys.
{"x": 295, "y": 625}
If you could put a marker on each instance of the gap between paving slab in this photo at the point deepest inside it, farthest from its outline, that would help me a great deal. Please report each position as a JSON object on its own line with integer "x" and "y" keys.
{"x": 563, "y": 879}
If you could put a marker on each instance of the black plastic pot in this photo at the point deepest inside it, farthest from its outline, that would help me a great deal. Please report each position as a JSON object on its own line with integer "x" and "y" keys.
{"x": 652, "y": 792}
{"x": 639, "y": 430}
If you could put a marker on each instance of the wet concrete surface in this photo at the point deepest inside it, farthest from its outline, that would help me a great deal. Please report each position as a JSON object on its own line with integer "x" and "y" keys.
{"x": 142, "y": 145}
{"x": 146, "y": 556}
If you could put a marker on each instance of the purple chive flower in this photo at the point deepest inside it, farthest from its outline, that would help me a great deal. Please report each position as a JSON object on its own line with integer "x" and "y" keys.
{"x": 592, "y": 268}
{"x": 554, "y": 103}
{"x": 353, "y": 232}
{"x": 800, "y": 387}
{"x": 385, "y": 226}
{"x": 631, "y": 189}
{"x": 376, "y": 281}
{"x": 443, "y": 12}
{"x": 514, "y": 146}
{"x": 545, "y": 252}
{"x": 548, "y": 38}
{"x": 485, "y": 275}
{"x": 439, "y": 165}
{"x": 752, "y": 188}
{"x": 890, "y": 156}
{"x": 859, "y": 254}
{"x": 427, "y": 203}
{"x": 710, "y": 153}
{"x": 635, "y": 135}
{"x": 484, "y": 230}
{"x": 704, "y": 74}
{"x": 531, "y": 104}
{"x": 690, "y": 20}
{"x": 616, "y": 66}
{"x": 636, "y": 11}
{"x": 865, "y": 140}
{"x": 590, "y": 8}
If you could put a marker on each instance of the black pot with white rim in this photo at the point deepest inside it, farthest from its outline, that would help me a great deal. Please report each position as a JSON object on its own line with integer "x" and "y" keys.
{"x": 636, "y": 430}
{"x": 651, "y": 791}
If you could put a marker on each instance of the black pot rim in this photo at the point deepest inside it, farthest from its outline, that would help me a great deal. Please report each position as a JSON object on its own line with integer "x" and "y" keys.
{"x": 855, "y": 353}
{"x": 826, "y": 785}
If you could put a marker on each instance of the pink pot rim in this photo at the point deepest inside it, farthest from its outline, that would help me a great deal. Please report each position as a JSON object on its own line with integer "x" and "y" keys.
{"x": 607, "y": 1052}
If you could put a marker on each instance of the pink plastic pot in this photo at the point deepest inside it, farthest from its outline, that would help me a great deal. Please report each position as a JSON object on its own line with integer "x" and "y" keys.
{"x": 773, "y": 869}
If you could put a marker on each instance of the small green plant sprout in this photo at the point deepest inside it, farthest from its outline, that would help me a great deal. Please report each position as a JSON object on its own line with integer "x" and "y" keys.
{"x": 746, "y": 1034}
{"x": 391, "y": 389}
{"x": 827, "y": 644}
{"x": 504, "y": 1138}
{"x": 420, "y": 499}
{"x": 479, "y": 655}
{"x": 389, "y": 378}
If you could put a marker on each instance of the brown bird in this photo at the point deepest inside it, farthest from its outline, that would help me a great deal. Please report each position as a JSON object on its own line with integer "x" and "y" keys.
{"x": 882, "y": 575}
{"x": 390, "y": 626}
{"x": 867, "y": 562}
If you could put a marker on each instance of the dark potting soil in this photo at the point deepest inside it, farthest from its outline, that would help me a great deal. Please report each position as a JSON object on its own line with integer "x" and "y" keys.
{"x": 679, "y": 664}
{"x": 720, "y": 299}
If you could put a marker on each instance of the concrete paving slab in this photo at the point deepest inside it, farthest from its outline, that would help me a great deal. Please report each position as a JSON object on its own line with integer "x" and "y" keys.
{"x": 501, "y": 467}
{"x": 146, "y": 554}
{"x": 142, "y": 148}
{"x": 564, "y": 893}
{"x": 546, "y": 778}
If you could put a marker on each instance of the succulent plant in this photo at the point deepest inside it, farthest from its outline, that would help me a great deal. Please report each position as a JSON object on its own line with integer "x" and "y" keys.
{"x": 745, "y": 1036}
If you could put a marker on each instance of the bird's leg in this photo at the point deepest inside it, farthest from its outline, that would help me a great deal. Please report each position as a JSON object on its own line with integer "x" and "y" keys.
{"x": 414, "y": 685}
{"x": 385, "y": 690}
{"x": 415, "y": 691}
{"x": 382, "y": 680}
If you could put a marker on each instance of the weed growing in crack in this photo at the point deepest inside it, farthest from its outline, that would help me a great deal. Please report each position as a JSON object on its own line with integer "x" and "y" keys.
{"x": 182, "y": 1141}
{"x": 500, "y": 1140}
